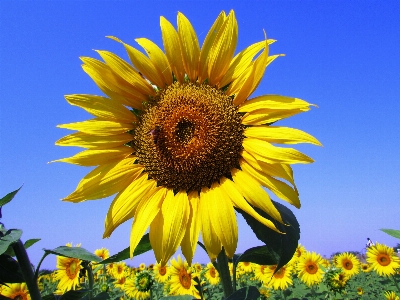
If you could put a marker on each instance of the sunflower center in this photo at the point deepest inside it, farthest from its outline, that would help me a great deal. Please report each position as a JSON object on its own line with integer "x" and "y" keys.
{"x": 72, "y": 269}
{"x": 311, "y": 268}
{"x": 185, "y": 279}
{"x": 189, "y": 136}
{"x": 348, "y": 265}
{"x": 280, "y": 273}
{"x": 162, "y": 271}
{"x": 383, "y": 259}
{"x": 212, "y": 272}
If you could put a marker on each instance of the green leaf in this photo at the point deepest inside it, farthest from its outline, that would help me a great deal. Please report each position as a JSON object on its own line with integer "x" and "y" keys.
{"x": 11, "y": 236}
{"x": 10, "y": 271}
{"x": 74, "y": 295}
{"x": 7, "y": 198}
{"x": 246, "y": 293}
{"x": 48, "y": 297}
{"x": 392, "y": 232}
{"x": 282, "y": 246}
{"x": 182, "y": 297}
{"x": 102, "y": 296}
{"x": 260, "y": 255}
{"x": 27, "y": 244}
{"x": 74, "y": 252}
{"x": 143, "y": 246}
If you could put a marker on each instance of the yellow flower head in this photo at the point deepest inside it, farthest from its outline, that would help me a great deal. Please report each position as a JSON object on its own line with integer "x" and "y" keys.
{"x": 390, "y": 295}
{"x": 17, "y": 291}
{"x": 178, "y": 129}
{"x": 383, "y": 259}
{"x": 161, "y": 273}
{"x": 262, "y": 273}
{"x": 281, "y": 279}
{"x": 103, "y": 253}
{"x": 118, "y": 270}
{"x": 309, "y": 270}
{"x": 67, "y": 273}
{"x": 211, "y": 274}
{"x": 348, "y": 262}
{"x": 181, "y": 280}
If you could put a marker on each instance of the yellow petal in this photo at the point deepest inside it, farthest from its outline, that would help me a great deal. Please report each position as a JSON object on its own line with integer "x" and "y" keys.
{"x": 175, "y": 210}
{"x": 254, "y": 193}
{"x": 99, "y": 127}
{"x": 210, "y": 239}
{"x": 172, "y": 49}
{"x": 268, "y": 153}
{"x": 102, "y": 107}
{"x": 222, "y": 49}
{"x": 281, "y": 135}
{"x": 143, "y": 64}
{"x": 279, "y": 188}
{"x": 111, "y": 84}
{"x": 106, "y": 180}
{"x": 276, "y": 170}
{"x": 145, "y": 214}
{"x": 229, "y": 188}
{"x": 80, "y": 139}
{"x": 127, "y": 72}
{"x": 156, "y": 236}
{"x": 190, "y": 48}
{"x": 277, "y": 102}
{"x": 266, "y": 116}
{"x": 257, "y": 72}
{"x": 124, "y": 205}
{"x": 192, "y": 232}
{"x": 207, "y": 44}
{"x": 158, "y": 58}
{"x": 241, "y": 62}
{"x": 223, "y": 218}
{"x": 97, "y": 157}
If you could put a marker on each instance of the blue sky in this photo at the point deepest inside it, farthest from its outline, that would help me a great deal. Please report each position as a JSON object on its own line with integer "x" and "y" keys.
{"x": 340, "y": 55}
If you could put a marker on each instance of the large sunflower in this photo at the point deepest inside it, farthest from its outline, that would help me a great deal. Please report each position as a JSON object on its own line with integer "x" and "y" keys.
{"x": 308, "y": 268}
{"x": 383, "y": 259}
{"x": 349, "y": 263}
{"x": 180, "y": 142}
{"x": 16, "y": 291}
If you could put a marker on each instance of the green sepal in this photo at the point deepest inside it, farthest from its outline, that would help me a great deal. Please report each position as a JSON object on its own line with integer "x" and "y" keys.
{"x": 143, "y": 246}
{"x": 10, "y": 271}
{"x": 7, "y": 198}
{"x": 246, "y": 293}
{"x": 281, "y": 246}
{"x": 74, "y": 294}
{"x": 260, "y": 255}
{"x": 74, "y": 252}
{"x": 181, "y": 297}
{"x": 27, "y": 244}
{"x": 393, "y": 232}
{"x": 10, "y": 237}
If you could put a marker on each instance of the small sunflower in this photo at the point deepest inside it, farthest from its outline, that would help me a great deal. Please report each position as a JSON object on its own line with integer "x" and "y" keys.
{"x": 348, "y": 262}
{"x": 161, "y": 273}
{"x": 103, "y": 253}
{"x": 120, "y": 283}
{"x": 360, "y": 291}
{"x": 118, "y": 270}
{"x": 181, "y": 281}
{"x": 211, "y": 274}
{"x": 383, "y": 259}
{"x": 281, "y": 279}
{"x": 16, "y": 291}
{"x": 246, "y": 267}
{"x": 308, "y": 268}
{"x": 390, "y": 295}
{"x": 261, "y": 273}
{"x": 178, "y": 130}
{"x": 67, "y": 273}
{"x": 142, "y": 266}
{"x": 366, "y": 268}
{"x": 133, "y": 289}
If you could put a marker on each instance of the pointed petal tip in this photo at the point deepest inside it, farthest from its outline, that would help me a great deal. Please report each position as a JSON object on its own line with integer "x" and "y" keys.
{"x": 114, "y": 38}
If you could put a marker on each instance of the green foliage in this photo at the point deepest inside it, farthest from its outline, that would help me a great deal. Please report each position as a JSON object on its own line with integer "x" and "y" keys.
{"x": 10, "y": 271}
{"x": 7, "y": 198}
{"x": 246, "y": 293}
{"x": 74, "y": 252}
{"x": 10, "y": 236}
{"x": 392, "y": 232}
{"x": 279, "y": 246}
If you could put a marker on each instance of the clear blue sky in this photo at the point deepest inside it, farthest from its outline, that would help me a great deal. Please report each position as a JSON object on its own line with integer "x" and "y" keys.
{"x": 341, "y": 55}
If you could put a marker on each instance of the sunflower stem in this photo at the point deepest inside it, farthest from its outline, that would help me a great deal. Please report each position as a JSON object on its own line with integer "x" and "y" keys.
{"x": 27, "y": 270}
{"x": 38, "y": 266}
{"x": 91, "y": 280}
{"x": 234, "y": 277}
{"x": 396, "y": 284}
{"x": 223, "y": 267}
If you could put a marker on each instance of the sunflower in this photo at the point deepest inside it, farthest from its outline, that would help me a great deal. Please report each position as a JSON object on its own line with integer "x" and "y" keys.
{"x": 308, "y": 268}
{"x": 67, "y": 273}
{"x": 246, "y": 267}
{"x": 281, "y": 279}
{"x": 360, "y": 291}
{"x": 261, "y": 273}
{"x": 135, "y": 291}
{"x": 161, "y": 273}
{"x": 103, "y": 253}
{"x": 383, "y": 259}
{"x": 365, "y": 268}
{"x": 390, "y": 295}
{"x": 181, "y": 280}
{"x": 178, "y": 130}
{"x": 17, "y": 291}
{"x": 120, "y": 283}
{"x": 349, "y": 263}
{"x": 211, "y": 274}
{"x": 118, "y": 270}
